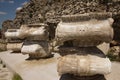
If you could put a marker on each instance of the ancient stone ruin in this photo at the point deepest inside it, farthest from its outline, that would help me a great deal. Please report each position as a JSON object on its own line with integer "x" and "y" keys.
{"x": 74, "y": 31}
{"x": 29, "y": 39}
{"x": 82, "y": 57}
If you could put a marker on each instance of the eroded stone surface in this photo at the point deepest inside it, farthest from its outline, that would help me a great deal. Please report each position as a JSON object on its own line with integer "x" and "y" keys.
{"x": 45, "y": 69}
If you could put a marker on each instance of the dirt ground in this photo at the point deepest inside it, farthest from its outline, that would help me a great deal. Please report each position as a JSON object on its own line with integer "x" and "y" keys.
{"x": 45, "y": 69}
{"x": 5, "y": 73}
{"x": 115, "y": 74}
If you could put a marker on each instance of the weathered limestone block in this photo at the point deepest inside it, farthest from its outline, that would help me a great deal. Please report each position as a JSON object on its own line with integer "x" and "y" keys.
{"x": 35, "y": 32}
{"x": 15, "y": 47}
{"x": 84, "y": 32}
{"x": 13, "y": 33}
{"x": 40, "y": 49}
{"x": 90, "y": 32}
{"x": 32, "y": 32}
{"x": 84, "y": 65}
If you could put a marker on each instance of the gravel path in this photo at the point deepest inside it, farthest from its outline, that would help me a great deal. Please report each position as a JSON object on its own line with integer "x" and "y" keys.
{"x": 5, "y": 74}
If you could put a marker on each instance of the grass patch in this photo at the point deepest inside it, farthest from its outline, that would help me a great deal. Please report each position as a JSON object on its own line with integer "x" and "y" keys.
{"x": 16, "y": 77}
{"x": 113, "y": 57}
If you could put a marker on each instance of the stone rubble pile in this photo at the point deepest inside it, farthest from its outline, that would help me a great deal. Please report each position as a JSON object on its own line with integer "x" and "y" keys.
{"x": 50, "y": 12}
{"x": 29, "y": 39}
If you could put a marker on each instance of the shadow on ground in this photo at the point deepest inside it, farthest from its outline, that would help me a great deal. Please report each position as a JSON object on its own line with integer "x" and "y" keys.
{"x": 71, "y": 77}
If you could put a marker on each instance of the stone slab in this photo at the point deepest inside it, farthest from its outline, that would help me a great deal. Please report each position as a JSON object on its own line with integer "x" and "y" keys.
{"x": 104, "y": 47}
{"x": 44, "y": 69}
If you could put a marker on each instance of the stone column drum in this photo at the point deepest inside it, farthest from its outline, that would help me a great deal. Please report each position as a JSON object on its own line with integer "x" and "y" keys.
{"x": 84, "y": 32}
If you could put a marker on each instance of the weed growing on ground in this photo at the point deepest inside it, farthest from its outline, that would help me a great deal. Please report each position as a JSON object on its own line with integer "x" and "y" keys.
{"x": 16, "y": 77}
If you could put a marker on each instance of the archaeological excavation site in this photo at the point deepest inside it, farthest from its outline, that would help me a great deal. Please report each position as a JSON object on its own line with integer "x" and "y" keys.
{"x": 62, "y": 40}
